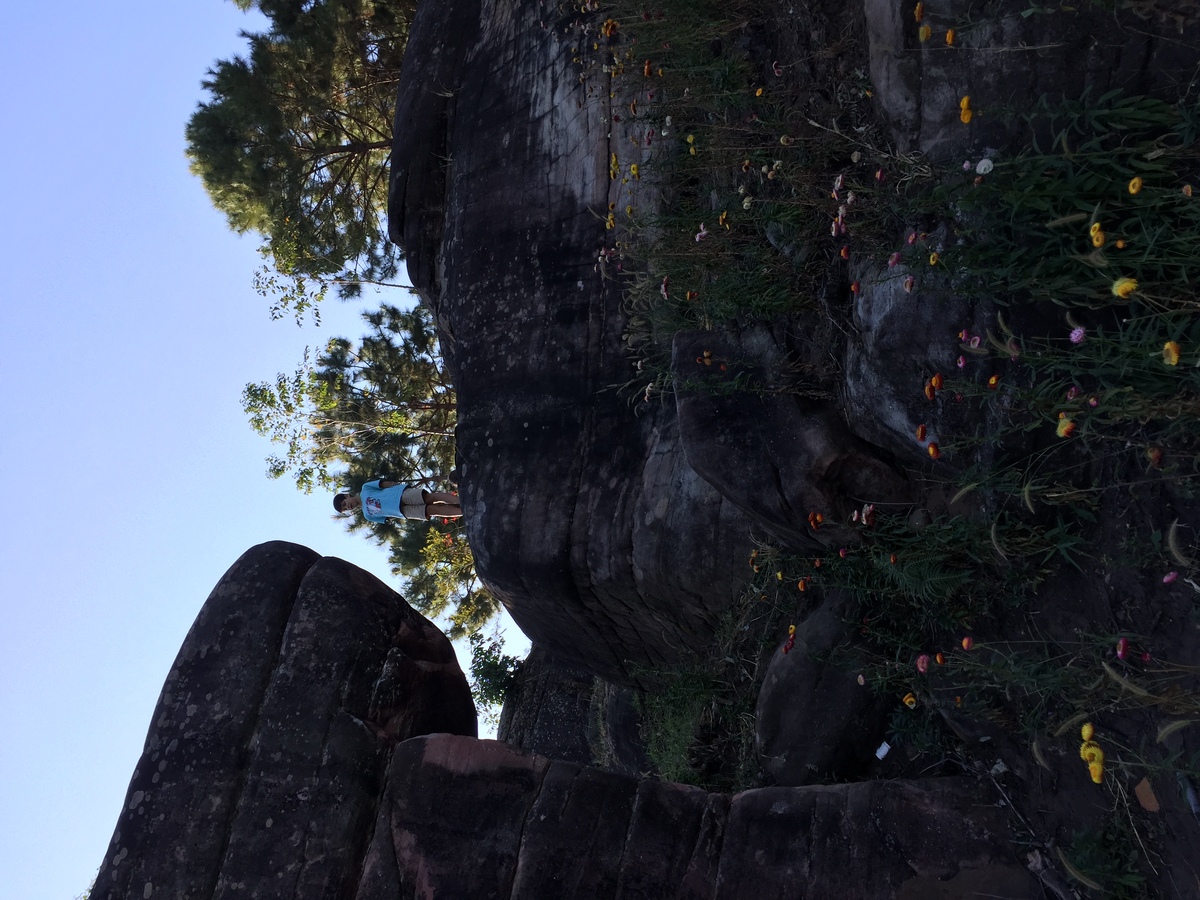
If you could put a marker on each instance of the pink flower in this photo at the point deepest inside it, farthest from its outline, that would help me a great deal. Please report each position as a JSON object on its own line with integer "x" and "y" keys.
{"x": 923, "y": 663}
{"x": 1146, "y": 657}
{"x": 961, "y": 362}
{"x": 908, "y": 284}
{"x": 1077, "y": 335}
{"x": 1123, "y": 648}
{"x": 894, "y": 260}
{"x": 911, "y": 239}
{"x": 662, "y": 288}
{"x": 1170, "y": 577}
{"x": 702, "y": 233}
{"x": 1072, "y": 393}
{"x": 777, "y": 69}
{"x": 975, "y": 341}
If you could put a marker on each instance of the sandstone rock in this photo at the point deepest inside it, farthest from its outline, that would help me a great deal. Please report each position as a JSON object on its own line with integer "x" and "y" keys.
{"x": 265, "y": 758}
{"x": 465, "y": 818}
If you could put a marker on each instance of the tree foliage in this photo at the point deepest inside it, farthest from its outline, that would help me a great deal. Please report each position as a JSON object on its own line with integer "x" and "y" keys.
{"x": 293, "y": 141}
{"x": 381, "y": 408}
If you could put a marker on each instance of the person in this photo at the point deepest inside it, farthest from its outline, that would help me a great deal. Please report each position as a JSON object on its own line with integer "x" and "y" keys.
{"x": 381, "y": 500}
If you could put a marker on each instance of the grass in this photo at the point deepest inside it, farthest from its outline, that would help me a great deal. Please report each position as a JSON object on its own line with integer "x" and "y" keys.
{"x": 735, "y": 208}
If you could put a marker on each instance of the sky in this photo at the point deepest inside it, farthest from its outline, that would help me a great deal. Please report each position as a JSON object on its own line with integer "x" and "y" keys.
{"x": 128, "y": 328}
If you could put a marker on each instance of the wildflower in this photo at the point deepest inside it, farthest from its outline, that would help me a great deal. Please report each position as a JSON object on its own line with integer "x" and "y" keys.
{"x": 985, "y": 167}
{"x": 844, "y": 253}
{"x": 723, "y": 219}
{"x": 923, "y": 663}
{"x": 802, "y": 585}
{"x": 1078, "y": 334}
{"x": 929, "y": 391}
{"x": 908, "y": 284}
{"x": 692, "y": 150}
{"x": 974, "y": 342}
{"x": 1123, "y": 648}
{"x": 892, "y": 559}
{"x": 1095, "y": 229}
{"x": 1155, "y": 456}
{"x": 690, "y": 296}
{"x": 777, "y": 69}
{"x": 662, "y": 288}
{"x": 691, "y": 139}
{"x": 791, "y": 641}
{"x": 609, "y": 28}
{"x": 968, "y": 642}
{"x": 779, "y": 576}
{"x": 1087, "y": 732}
{"x": 1098, "y": 239}
{"x": 610, "y": 222}
{"x": 817, "y": 563}
{"x": 933, "y": 258}
{"x": 1170, "y": 577}
{"x": 646, "y": 70}
{"x": 747, "y": 202}
{"x": 910, "y": 700}
{"x": 1120, "y": 243}
{"x": 919, "y": 12}
{"x": 894, "y": 260}
{"x": 879, "y": 176}
{"x": 949, "y": 37}
{"x": 924, "y": 33}
{"x": 965, "y": 116}
{"x": 786, "y": 140}
{"x": 862, "y": 680}
{"x": 1170, "y": 353}
{"x": 940, "y": 658}
{"x": 1065, "y": 427}
{"x": 921, "y": 433}
{"x": 1187, "y": 190}
{"x": 937, "y": 381}
{"x": 961, "y": 362}
{"x": 993, "y": 382}
{"x": 1123, "y": 287}
{"x": 855, "y": 287}
{"x": 1135, "y": 184}
{"x": 933, "y": 451}
{"x": 965, "y": 102}
{"x": 966, "y": 165}
{"x": 635, "y": 171}
{"x": 1096, "y": 770}
{"x": 1072, "y": 392}
{"x": 702, "y": 233}
{"x": 758, "y": 93}
{"x": 911, "y": 239}
{"x": 842, "y": 552}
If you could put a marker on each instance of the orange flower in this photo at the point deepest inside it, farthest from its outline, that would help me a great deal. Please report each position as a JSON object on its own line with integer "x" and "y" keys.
{"x": 940, "y": 659}
{"x": 937, "y": 381}
{"x": 1065, "y": 427}
{"x": 933, "y": 451}
{"x": 949, "y": 37}
{"x": 919, "y": 12}
{"x": 993, "y": 382}
{"x": 910, "y": 700}
{"x": 646, "y": 70}
{"x": 1170, "y": 353}
{"x": 965, "y": 115}
{"x": 968, "y": 642}
{"x": 921, "y": 433}
{"x": 929, "y": 394}
{"x": 892, "y": 559}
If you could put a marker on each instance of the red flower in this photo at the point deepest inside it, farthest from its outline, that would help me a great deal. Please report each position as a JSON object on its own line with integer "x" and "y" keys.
{"x": 1123, "y": 648}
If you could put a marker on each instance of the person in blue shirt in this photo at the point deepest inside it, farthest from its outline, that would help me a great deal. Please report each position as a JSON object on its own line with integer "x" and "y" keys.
{"x": 381, "y": 500}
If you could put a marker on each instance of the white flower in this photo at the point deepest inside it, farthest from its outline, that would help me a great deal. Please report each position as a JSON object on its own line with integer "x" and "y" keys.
{"x": 985, "y": 166}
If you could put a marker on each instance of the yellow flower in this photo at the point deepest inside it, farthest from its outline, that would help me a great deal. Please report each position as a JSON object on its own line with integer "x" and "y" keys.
{"x": 634, "y": 171}
{"x": 965, "y": 102}
{"x": 1096, "y": 770}
{"x": 692, "y": 150}
{"x": 910, "y": 700}
{"x": 1089, "y": 752}
{"x": 965, "y": 116}
{"x": 924, "y": 32}
{"x": 629, "y": 211}
{"x": 1135, "y": 184}
{"x": 758, "y": 93}
{"x": 1187, "y": 190}
{"x": 1120, "y": 245}
{"x": 919, "y": 12}
{"x": 611, "y": 221}
{"x": 1065, "y": 427}
{"x": 1088, "y": 731}
{"x": 949, "y": 37}
{"x": 1095, "y": 229}
{"x": 1098, "y": 238}
{"x": 1123, "y": 287}
{"x": 933, "y": 258}
{"x": 691, "y": 139}
{"x": 1171, "y": 353}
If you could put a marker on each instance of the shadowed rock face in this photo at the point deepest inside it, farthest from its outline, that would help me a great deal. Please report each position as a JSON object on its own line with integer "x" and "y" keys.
{"x": 542, "y": 829}
{"x": 272, "y": 770}
{"x": 615, "y": 532}
{"x": 265, "y": 758}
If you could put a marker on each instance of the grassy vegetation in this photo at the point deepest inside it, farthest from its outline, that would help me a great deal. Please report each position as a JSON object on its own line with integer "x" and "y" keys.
{"x": 735, "y": 208}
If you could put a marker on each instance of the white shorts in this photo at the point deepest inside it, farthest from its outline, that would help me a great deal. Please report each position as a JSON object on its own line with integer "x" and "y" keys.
{"x": 412, "y": 503}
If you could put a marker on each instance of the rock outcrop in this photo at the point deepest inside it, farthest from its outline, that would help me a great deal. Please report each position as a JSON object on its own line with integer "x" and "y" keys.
{"x": 267, "y": 752}
{"x": 288, "y": 759}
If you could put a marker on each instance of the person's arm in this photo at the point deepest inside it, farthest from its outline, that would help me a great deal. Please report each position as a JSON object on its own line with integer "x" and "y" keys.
{"x": 387, "y": 484}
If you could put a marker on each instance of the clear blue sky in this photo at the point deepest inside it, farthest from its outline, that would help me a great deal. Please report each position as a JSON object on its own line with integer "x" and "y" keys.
{"x": 128, "y": 327}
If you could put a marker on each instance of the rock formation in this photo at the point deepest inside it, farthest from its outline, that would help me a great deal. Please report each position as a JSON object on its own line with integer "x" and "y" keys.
{"x": 268, "y": 748}
{"x": 289, "y": 758}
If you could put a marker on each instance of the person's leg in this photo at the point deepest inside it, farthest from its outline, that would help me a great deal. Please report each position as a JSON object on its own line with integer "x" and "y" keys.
{"x": 440, "y": 497}
{"x": 443, "y": 510}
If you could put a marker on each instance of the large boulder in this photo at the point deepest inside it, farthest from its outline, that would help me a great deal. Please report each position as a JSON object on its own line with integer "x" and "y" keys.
{"x": 266, "y": 755}
{"x": 468, "y": 818}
